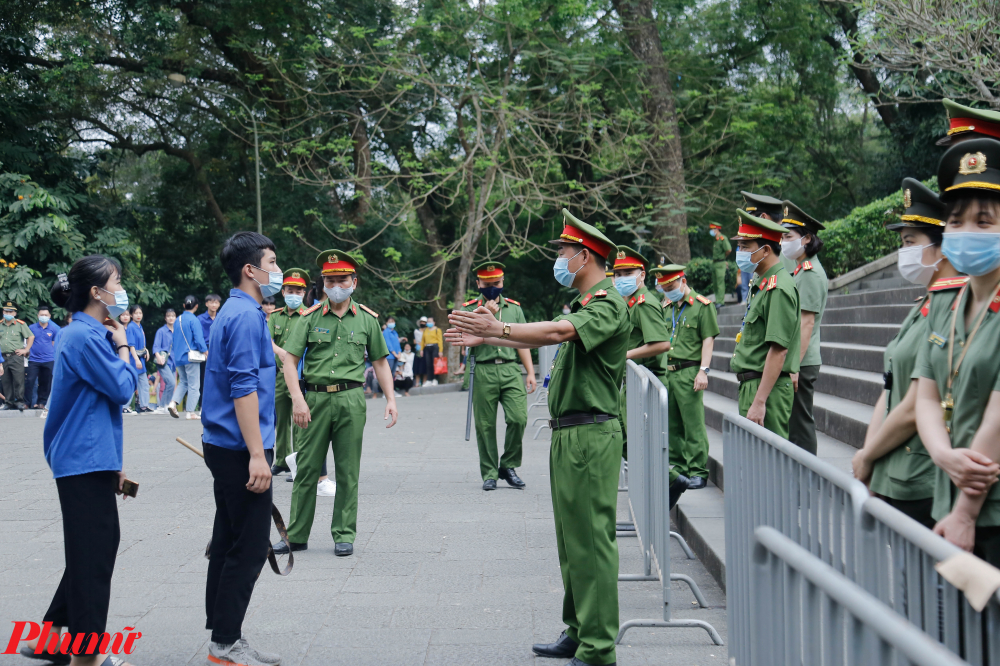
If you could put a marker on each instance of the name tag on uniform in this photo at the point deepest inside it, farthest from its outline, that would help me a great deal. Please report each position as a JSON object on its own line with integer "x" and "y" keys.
{"x": 321, "y": 330}
{"x": 937, "y": 339}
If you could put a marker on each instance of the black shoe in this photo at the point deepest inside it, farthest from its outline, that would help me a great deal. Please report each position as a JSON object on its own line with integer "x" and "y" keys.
{"x": 289, "y": 478}
{"x": 280, "y": 548}
{"x": 490, "y": 484}
{"x": 696, "y": 483}
{"x": 511, "y": 477}
{"x": 277, "y": 469}
{"x": 677, "y": 489}
{"x": 343, "y": 549}
{"x": 21, "y": 406}
{"x": 563, "y": 647}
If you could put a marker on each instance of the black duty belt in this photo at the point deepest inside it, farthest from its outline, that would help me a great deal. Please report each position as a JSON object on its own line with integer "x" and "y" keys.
{"x": 682, "y": 365}
{"x": 333, "y": 388}
{"x": 496, "y": 361}
{"x": 748, "y": 376}
{"x": 580, "y": 418}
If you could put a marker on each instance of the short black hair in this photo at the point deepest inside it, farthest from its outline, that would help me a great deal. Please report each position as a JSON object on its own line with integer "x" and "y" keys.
{"x": 44, "y": 307}
{"x": 987, "y": 200}
{"x": 190, "y": 301}
{"x": 169, "y": 311}
{"x": 72, "y": 290}
{"x": 240, "y": 249}
{"x": 268, "y": 300}
{"x": 213, "y": 297}
{"x": 135, "y": 307}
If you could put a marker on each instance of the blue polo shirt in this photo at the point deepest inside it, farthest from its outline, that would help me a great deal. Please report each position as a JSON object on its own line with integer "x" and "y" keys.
{"x": 43, "y": 349}
{"x": 83, "y": 431}
{"x": 241, "y": 362}
{"x": 137, "y": 340}
{"x": 206, "y": 324}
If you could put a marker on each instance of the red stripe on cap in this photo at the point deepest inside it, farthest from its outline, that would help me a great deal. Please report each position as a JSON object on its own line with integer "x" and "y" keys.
{"x": 752, "y": 231}
{"x": 627, "y": 262}
{"x": 294, "y": 282}
{"x": 575, "y": 235}
{"x": 963, "y": 125}
{"x": 339, "y": 267}
{"x": 489, "y": 275}
{"x": 668, "y": 277}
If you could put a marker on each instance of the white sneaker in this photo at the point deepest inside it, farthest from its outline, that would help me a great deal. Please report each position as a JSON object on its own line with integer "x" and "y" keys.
{"x": 290, "y": 461}
{"x": 172, "y": 409}
{"x": 160, "y": 410}
{"x": 326, "y": 488}
{"x": 434, "y": 383}
{"x": 239, "y": 654}
{"x": 398, "y": 394}
{"x": 126, "y": 410}
{"x": 192, "y": 416}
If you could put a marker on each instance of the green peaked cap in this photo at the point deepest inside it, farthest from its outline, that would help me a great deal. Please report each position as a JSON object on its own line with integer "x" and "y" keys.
{"x": 797, "y": 219}
{"x": 623, "y": 256}
{"x": 745, "y": 219}
{"x": 335, "y": 262}
{"x": 579, "y": 232}
{"x": 923, "y": 208}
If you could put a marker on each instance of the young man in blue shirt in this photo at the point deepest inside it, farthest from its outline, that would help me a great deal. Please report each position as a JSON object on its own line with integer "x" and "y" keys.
{"x": 238, "y": 439}
{"x": 43, "y": 355}
{"x": 212, "y": 304}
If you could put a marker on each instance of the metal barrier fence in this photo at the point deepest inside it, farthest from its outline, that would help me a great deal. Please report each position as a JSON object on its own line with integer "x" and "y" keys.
{"x": 808, "y": 613}
{"x": 772, "y": 482}
{"x": 546, "y": 355}
{"x": 648, "y": 494}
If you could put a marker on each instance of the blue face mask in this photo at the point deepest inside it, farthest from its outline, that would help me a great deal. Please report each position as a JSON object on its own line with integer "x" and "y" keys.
{"x": 273, "y": 285}
{"x": 491, "y": 293}
{"x": 675, "y": 295}
{"x": 7, "y": 316}
{"x": 293, "y": 301}
{"x": 391, "y": 324}
{"x": 42, "y": 319}
{"x": 561, "y": 271}
{"x": 626, "y": 285}
{"x": 121, "y": 303}
{"x": 971, "y": 252}
{"x": 745, "y": 261}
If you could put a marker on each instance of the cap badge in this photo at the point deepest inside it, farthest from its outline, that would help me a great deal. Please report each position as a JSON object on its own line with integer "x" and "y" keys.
{"x": 491, "y": 267}
{"x": 295, "y": 275}
{"x": 334, "y": 259}
{"x": 971, "y": 164}
{"x": 786, "y": 211}
{"x": 621, "y": 254}
{"x": 907, "y": 198}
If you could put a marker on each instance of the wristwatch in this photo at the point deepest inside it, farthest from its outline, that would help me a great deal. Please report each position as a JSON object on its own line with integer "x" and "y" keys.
{"x": 706, "y": 369}
{"x": 506, "y": 332}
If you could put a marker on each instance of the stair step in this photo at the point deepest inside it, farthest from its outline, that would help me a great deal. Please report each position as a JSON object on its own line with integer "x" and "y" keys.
{"x": 856, "y": 357}
{"x": 882, "y": 284}
{"x": 860, "y": 334}
{"x": 855, "y": 299}
{"x": 883, "y": 314}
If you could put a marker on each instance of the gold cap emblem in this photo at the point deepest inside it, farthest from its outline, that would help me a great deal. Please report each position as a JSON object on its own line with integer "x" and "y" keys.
{"x": 296, "y": 275}
{"x": 621, "y": 254}
{"x": 491, "y": 267}
{"x": 907, "y": 198}
{"x": 334, "y": 259}
{"x": 786, "y": 211}
{"x": 972, "y": 164}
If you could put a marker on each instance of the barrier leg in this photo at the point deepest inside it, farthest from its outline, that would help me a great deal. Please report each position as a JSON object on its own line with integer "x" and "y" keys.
{"x": 695, "y": 590}
{"x": 684, "y": 545}
{"x": 712, "y": 633}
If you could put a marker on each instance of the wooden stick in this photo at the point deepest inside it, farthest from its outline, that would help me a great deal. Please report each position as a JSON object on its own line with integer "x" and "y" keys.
{"x": 190, "y": 447}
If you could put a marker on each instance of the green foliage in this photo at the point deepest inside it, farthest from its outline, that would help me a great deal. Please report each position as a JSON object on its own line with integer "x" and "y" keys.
{"x": 700, "y": 274}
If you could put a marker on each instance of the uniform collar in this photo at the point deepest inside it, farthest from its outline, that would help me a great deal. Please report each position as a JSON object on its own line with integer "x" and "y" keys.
{"x": 85, "y": 318}
{"x": 239, "y": 293}
{"x": 352, "y": 307}
{"x": 604, "y": 285}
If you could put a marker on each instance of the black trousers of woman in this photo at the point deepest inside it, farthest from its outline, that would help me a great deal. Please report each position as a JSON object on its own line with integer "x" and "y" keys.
{"x": 91, "y": 534}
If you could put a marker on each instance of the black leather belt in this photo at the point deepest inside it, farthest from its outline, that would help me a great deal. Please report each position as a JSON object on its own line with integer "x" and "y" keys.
{"x": 582, "y": 418}
{"x": 682, "y": 365}
{"x": 748, "y": 376}
{"x": 496, "y": 361}
{"x": 334, "y": 388}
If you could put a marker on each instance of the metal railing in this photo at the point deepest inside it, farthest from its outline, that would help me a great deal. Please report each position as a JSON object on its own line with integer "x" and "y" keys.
{"x": 648, "y": 495}
{"x": 808, "y": 613}
{"x": 771, "y": 482}
{"x": 545, "y": 357}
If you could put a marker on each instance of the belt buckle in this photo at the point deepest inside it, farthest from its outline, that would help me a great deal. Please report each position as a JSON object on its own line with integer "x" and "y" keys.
{"x": 333, "y": 388}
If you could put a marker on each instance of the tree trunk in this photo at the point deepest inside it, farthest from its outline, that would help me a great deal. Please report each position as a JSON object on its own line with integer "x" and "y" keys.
{"x": 668, "y": 187}
{"x": 861, "y": 68}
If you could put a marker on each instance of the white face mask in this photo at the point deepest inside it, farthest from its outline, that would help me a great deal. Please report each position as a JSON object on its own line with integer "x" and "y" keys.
{"x": 791, "y": 249}
{"x": 338, "y": 294}
{"x": 910, "y": 262}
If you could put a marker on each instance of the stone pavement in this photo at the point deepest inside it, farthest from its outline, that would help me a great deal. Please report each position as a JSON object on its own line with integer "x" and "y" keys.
{"x": 443, "y": 573}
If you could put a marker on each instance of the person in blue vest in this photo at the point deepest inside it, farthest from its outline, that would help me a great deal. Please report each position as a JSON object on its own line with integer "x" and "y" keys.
{"x": 212, "y": 304}
{"x": 43, "y": 355}
{"x": 163, "y": 359}
{"x": 83, "y": 443}
{"x": 188, "y": 337}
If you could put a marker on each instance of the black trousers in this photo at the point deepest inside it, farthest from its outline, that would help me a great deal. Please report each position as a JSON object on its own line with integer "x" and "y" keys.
{"x": 91, "y": 535}
{"x": 42, "y": 373}
{"x": 802, "y": 424}
{"x": 240, "y": 539}
{"x": 919, "y": 510}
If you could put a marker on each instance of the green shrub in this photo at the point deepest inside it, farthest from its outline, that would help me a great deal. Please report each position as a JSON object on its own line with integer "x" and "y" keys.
{"x": 700, "y": 275}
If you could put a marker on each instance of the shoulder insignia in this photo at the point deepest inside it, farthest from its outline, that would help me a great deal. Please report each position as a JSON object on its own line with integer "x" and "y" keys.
{"x": 600, "y": 292}
{"x": 807, "y": 265}
{"x": 312, "y": 309}
{"x": 995, "y": 305}
{"x": 691, "y": 299}
{"x": 926, "y": 309}
{"x": 368, "y": 310}
{"x": 772, "y": 282}
{"x": 948, "y": 283}
{"x": 468, "y": 303}
{"x": 511, "y": 300}
{"x": 632, "y": 301}
{"x": 586, "y": 299}
{"x": 21, "y": 321}
{"x": 703, "y": 300}
{"x": 797, "y": 269}
{"x": 642, "y": 298}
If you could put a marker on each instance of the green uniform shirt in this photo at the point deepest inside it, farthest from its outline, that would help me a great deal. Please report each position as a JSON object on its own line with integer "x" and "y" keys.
{"x": 772, "y": 316}
{"x": 645, "y": 315}
{"x": 336, "y": 345}
{"x": 510, "y": 313}
{"x": 13, "y": 335}
{"x": 588, "y": 372}
{"x": 721, "y": 248}
{"x": 280, "y": 324}
{"x": 978, "y": 377}
{"x": 906, "y": 473}
{"x": 810, "y": 279}
{"x": 689, "y": 322}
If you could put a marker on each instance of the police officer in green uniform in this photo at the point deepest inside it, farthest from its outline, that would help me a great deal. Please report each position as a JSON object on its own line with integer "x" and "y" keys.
{"x": 720, "y": 250}
{"x": 693, "y": 325}
{"x": 293, "y": 289}
{"x": 15, "y": 345}
{"x": 648, "y": 339}
{"x": 335, "y": 333}
{"x": 585, "y": 452}
{"x": 965, "y": 122}
{"x": 801, "y": 245}
{"x": 893, "y": 461}
{"x": 498, "y": 382}
{"x": 767, "y": 346}
{"x": 958, "y": 394}
{"x": 766, "y": 208}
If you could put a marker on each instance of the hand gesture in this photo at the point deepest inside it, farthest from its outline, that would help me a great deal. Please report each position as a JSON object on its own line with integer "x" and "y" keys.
{"x": 970, "y": 470}
{"x": 492, "y": 306}
{"x": 117, "y": 331}
{"x": 480, "y": 323}
{"x": 456, "y": 338}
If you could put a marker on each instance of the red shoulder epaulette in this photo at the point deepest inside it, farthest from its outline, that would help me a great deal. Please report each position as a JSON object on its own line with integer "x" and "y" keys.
{"x": 926, "y": 309}
{"x": 807, "y": 265}
{"x": 601, "y": 292}
{"x": 632, "y": 301}
{"x": 511, "y": 300}
{"x": 703, "y": 300}
{"x": 691, "y": 299}
{"x": 468, "y": 303}
{"x": 772, "y": 283}
{"x": 642, "y": 298}
{"x": 995, "y": 305}
{"x": 368, "y": 310}
{"x": 312, "y": 309}
{"x": 21, "y": 321}
{"x": 948, "y": 283}
{"x": 586, "y": 299}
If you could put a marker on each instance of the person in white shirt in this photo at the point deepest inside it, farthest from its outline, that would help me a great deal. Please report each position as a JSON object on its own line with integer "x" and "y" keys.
{"x": 404, "y": 370}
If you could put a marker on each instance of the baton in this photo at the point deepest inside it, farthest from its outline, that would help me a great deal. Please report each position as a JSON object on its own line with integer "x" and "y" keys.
{"x": 472, "y": 378}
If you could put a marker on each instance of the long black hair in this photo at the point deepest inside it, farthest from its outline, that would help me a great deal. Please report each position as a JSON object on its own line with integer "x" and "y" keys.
{"x": 72, "y": 291}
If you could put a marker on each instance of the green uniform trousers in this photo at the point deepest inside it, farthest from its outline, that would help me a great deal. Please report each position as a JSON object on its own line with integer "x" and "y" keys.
{"x": 583, "y": 468}
{"x": 802, "y": 424}
{"x": 686, "y": 424}
{"x": 495, "y": 385}
{"x": 13, "y": 379}
{"x": 719, "y": 268}
{"x": 338, "y": 421}
{"x": 777, "y": 409}
{"x": 282, "y": 422}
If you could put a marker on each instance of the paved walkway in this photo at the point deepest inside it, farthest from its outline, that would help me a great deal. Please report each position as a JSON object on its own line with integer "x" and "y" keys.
{"x": 443, "y": 573}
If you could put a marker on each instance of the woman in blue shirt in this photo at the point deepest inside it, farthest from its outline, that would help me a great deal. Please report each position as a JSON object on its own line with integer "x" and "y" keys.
{"x": 188, "y": 337}
{"x": 137, "y": 341}
{"x": 162, "y": 343}
{"x": 83, "y": 442}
